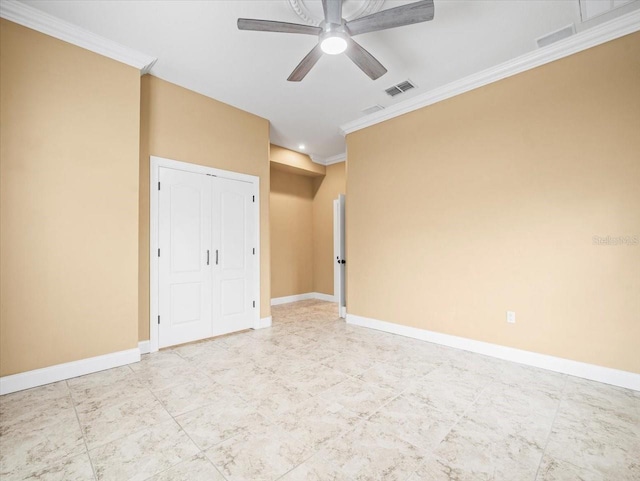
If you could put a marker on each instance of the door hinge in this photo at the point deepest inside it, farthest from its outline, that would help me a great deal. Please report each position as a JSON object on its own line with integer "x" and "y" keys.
{"x": 254, "y": 251}
{"x": 158, "y": 252}
{"x": 254, "y": 198}
{"x": 158, "y": 319}
{"x": 254, "y": 303}
{"x": 158, "y": 185}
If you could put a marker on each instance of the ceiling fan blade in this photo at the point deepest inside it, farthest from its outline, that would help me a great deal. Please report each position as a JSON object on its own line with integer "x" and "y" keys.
{"x": 306, "y": 64}
{"x": 394, "y": 17}
{"x": 273, "y": 26}
{"x": 363, "y": 59}
{"x": 332, "y": 11}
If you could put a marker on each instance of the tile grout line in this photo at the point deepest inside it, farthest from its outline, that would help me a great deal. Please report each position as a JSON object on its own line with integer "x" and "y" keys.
{"x": 361, "y": 419}
{"x": 555, "y": 416}
{"x": 461, "y": 417}
{"x": 200, "y": 450}
{"x": 146, "y": 428}
{"x": 84, "y": 440}
{"x": 296, "y": 466}
{"x": 317, "y": 396}
{"x": 132, "y": 432}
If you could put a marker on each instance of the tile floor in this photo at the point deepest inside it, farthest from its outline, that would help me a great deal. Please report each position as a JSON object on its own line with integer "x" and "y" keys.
{"x": 315, "y": 399}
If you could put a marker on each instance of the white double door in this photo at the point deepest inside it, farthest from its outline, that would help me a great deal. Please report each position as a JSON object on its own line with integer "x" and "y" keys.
{"x": 207, "y": 256}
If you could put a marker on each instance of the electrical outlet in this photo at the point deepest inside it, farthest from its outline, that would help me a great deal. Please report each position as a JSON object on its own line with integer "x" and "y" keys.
{"x": 511, "y": 317}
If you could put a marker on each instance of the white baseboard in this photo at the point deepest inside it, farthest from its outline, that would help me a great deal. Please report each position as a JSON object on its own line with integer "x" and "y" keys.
{"x": 145, "y": 347}
{"x": 262, "y": 323}
{"x": 287, "y": 299}
{"x": 592, "y": 372}
{"x": 60, "y": 372}
{"x": 302, "y": 297}
{"x": 324, "y": 297}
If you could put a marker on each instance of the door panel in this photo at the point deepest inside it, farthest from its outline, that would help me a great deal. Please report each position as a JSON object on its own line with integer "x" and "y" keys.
{"x": 234, "y": 234}
{"x": 233, "y": 217}
{"x": 186, "y": 303}
{"x": 185, "y": 219}
{"x": 339, "y": 244}
{"x": 184, "y": 276}
{"x": 233, "y": 295}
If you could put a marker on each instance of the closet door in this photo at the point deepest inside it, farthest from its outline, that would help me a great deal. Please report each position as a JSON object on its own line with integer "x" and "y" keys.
{"x": 234, "y": 240}
{"x": 185, "y": 277}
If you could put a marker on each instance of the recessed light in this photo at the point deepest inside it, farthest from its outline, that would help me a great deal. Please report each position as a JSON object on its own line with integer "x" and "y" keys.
{"x": 301, "y": 146}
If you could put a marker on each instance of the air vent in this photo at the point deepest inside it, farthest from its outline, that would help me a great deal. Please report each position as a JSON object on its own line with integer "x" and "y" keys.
{"x": 372, "y": 109}
{"x": 556, "y": 36}
{"x": 400, "y": 88}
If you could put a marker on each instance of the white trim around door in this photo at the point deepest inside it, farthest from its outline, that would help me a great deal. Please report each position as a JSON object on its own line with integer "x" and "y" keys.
{"x": 156, "y": 163}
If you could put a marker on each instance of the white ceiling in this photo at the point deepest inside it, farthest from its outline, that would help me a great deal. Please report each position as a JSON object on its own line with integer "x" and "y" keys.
{"x": 199, "y": 47}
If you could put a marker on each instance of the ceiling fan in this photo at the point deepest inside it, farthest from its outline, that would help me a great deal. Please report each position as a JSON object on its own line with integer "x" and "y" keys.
{"x": 334, "y": 33}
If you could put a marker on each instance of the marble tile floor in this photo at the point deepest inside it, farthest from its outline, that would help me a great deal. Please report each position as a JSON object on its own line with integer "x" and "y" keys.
{"x": 315, "y": 399}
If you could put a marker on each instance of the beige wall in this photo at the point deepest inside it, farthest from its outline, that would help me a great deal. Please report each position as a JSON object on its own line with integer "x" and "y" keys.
{"x": 488, "y": 202}
{"x": 327, "y": 189}
{"x": 179, "y": 124}
{"x": 69, "y": 202}
{"x": 295, "y": 162}
{"x": 291, "y": 213}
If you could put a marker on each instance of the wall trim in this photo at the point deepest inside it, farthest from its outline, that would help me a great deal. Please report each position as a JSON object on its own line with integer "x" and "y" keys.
{"x": 276, "y": 301}
{"x": 592, "y": 372}
{"x": 42, "y": 22}
{"x": 262, "y": 323}
{"x": 324, "y": 297}
{"x": 67, "y": 370}
{"x": 586, "y": 39}
{"x": 334, "y": 159}
{"x": 295, "y": 298}
{"x": 145, "y": 347}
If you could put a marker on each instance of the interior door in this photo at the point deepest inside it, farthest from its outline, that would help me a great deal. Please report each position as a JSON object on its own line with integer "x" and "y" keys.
{"x": 339, "y": 254}
{"x": 234, "y": 241}
{"x": 185, "y": 288}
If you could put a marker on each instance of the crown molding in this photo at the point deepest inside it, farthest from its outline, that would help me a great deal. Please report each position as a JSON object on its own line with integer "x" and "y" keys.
{"x": 40, "y": 21}
{"x": 597, "y": 35}
{"x": 334, "y": 159}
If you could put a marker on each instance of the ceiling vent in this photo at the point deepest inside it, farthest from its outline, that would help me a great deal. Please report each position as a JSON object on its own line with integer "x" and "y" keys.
{"x": 372, "y": 109}
{"x": 556, "y": 36}
{"x": 400, "y": 88}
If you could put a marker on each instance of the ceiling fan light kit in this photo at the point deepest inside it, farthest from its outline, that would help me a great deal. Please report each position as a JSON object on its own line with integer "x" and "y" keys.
{"x": 335, "y": 34}
{"x": 334, "y": 41}
{"x": 333, "y": 45}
